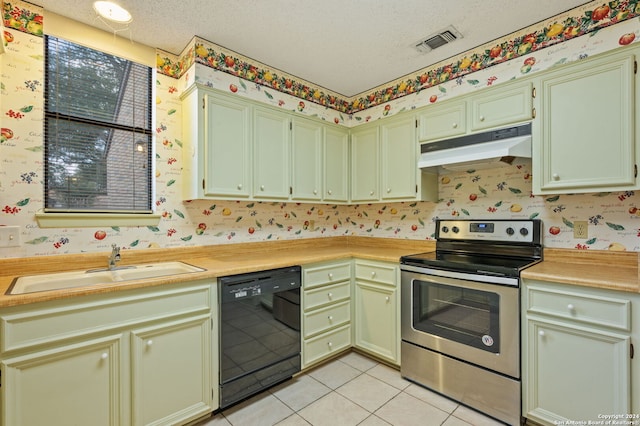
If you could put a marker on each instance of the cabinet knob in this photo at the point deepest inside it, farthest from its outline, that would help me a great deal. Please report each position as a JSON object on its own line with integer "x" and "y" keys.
{"x": 387, "y": 298}
{"x": 330, "y": 318}
{"x": 455, "y": 125}
{"x": 240, "y": 186}
{"x": 372, "y": 192}
{"x": 482, "y": 118}
{"x": 388, "y": 190}
{"x": 570, "y": 307}
{"x": 555, "y": 176}
{"x": 329, "y": 192}
{"x": 541, "y": 333}
{"x": 330, "y": 276}
{"x": 261, "y": 187}
{"x": 330, "y": 295}
{"x": 373, "y": 274}
{"x": 104, "y": 355}
{"x": 315, "y": 192}
{"x": 330, "y": 344}
{"x": 149, "y": 342}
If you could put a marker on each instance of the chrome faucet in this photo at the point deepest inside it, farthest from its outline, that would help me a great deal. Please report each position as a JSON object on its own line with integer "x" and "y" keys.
{"x": 115, "y": 256}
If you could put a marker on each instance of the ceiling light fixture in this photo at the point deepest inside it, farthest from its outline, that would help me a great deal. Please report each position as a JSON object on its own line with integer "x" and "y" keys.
{"x": 112, "y": 12}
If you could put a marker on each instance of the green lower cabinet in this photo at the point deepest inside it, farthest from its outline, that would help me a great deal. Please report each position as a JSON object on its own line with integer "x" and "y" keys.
{"x": 75, "y": 384}
{"x": 376, "y": 309}
{"x": 577, "y": 353}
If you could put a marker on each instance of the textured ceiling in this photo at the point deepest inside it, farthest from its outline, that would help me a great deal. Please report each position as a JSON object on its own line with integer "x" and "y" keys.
{"x": 347, "y": 46}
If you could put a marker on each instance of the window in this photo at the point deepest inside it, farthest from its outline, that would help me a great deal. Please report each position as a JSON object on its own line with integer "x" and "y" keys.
{"x": 98, "y": 131}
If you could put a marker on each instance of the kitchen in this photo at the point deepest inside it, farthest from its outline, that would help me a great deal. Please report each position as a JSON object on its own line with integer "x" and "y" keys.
{"x": 496, "y": 193}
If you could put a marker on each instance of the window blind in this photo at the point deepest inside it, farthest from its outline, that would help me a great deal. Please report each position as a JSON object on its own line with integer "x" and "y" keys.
{"x": 98, "y": 131}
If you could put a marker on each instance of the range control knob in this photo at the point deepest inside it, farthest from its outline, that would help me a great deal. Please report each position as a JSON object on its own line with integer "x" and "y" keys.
{"x": 524, "y": 231}
{"x": 444, "y": 229}
{"x": 455, "y": 229}
{"x": 510, "y": 231}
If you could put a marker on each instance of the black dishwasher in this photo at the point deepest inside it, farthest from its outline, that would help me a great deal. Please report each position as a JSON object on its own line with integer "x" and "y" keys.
{"x": 259, "y": 331}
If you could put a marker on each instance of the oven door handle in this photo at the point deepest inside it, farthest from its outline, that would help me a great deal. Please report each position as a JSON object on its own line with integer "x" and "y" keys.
{"x": 491, "y": 279}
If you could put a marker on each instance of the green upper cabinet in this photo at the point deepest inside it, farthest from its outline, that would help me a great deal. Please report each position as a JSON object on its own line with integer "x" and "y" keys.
{"x": 217, "y": 143}
{"x": 501, "y": 105}
{"x": 584, "y": 136}
{"x": 271, "y": 149}
{"x": 306, "y": 155}
{"x": 399, "y": 151}
{"x": 444, "y": 120}
{"x": 488, "y": 108}
{"x": 336, "y": 164}
{"x": 365, "y": 163}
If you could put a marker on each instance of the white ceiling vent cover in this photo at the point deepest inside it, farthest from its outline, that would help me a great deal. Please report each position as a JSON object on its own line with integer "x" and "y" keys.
{"x": 438, "y": 39}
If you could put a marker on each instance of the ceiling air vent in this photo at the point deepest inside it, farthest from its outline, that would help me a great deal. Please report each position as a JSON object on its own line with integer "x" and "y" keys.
{"x": 438, "y": 39}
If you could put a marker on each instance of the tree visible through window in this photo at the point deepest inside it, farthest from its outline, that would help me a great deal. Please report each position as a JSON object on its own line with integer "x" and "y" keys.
{"x": 98, "y": 134}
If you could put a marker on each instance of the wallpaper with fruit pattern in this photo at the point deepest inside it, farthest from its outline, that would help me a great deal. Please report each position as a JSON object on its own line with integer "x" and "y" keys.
{"x": 614, "y": 218}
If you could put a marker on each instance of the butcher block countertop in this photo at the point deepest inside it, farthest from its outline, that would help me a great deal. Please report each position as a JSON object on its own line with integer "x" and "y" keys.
{"x": 600, "y": 269}
{"x": 603, "y": 269}
{"x": 218, "y": 260}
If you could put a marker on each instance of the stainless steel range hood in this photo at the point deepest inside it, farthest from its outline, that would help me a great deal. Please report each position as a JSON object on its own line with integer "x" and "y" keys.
{"x": 485, "y": 150}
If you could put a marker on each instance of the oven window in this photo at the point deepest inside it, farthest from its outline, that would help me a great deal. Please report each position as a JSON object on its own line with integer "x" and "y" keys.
{"x": 463, "y": 315}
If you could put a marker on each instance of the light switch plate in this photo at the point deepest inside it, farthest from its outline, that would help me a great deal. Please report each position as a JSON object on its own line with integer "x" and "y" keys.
{"x": 580, "y": 229}
{"x": 9, "y": 236}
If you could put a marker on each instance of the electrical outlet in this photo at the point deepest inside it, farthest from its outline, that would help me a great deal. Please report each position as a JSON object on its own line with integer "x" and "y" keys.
{"x": 9, "y": 236}
{"x": 580, "y": 229}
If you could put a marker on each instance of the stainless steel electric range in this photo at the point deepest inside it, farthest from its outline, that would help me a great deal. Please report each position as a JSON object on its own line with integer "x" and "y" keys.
{"x": 460, "y": 312}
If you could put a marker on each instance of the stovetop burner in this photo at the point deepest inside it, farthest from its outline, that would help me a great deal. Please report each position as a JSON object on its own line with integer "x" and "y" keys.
{"x": 496, "y": 247}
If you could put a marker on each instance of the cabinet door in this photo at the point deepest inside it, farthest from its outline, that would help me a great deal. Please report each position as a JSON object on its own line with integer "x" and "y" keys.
{"x": 171, "y": 372}
{"x": 575, "y": 373}
{"x": 584, "y": 137}
{"x": 375, "y": 320}
{"x": 78, "y": 384}
{"x": 442, "y": 121}
{"x": 336, "y": 165}
{"x": 306, "y": 147}
{"x": 227, "y": 147}
{"x": 271, "y": 146}
{"x": 365, "y": 164}
{"x": 501, "y": 105}
{"x": 398, "y": 155}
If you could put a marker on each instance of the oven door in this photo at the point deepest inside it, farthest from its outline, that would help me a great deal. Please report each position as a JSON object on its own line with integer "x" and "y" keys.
{"x": 473, "y": 321}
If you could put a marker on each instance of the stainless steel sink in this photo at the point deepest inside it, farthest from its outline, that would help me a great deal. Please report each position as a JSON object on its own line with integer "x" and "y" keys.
{"x": 61, "y": 280}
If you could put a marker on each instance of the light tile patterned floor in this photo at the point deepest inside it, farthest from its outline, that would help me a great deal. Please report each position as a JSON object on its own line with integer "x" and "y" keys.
{"x": 350, "y": 390}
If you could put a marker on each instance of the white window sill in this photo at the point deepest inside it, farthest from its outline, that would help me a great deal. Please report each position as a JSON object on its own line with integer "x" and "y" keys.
{"x": 80, "y": 220}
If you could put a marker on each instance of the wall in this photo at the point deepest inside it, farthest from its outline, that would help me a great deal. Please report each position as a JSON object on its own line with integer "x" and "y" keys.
{"x": 497, "y": 193}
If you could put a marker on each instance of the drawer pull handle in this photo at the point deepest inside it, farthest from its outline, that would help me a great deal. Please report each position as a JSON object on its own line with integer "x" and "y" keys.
{"x": 330, "y": 295}
{"x": 570, "y": 307}
{"x": 541, "y": 333}
{"x": 149, "y": 342}
{"x": 104, "y": 355}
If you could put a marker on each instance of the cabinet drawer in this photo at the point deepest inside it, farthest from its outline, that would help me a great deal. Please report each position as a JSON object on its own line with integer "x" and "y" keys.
{"x": 326, "y": 345}
{"x": 316, "y": 276}
{"x": 326, "y": 294}
{"x": 29, "y": 326}
{"x": 323, "y": 319}
{"x": 583, "y": 307}
{"x": 379, "y": 273}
